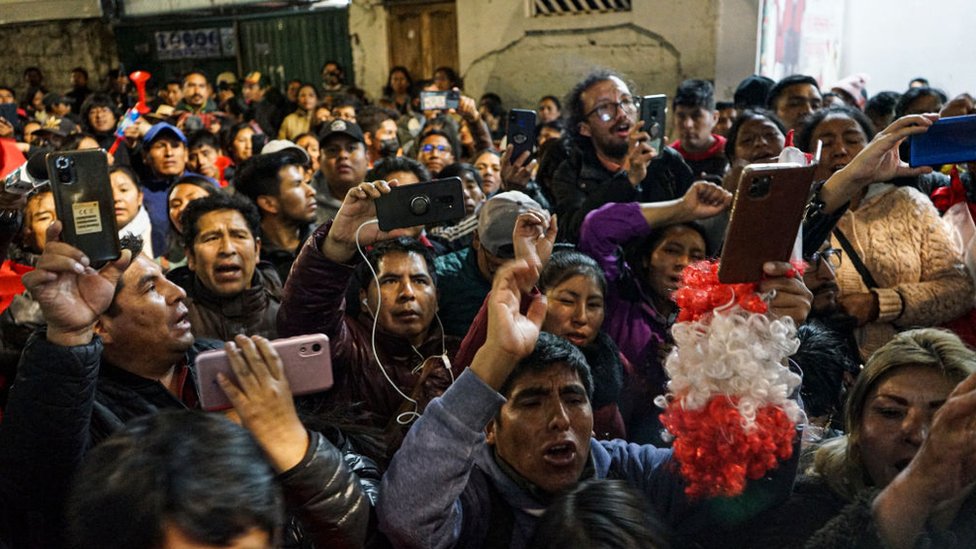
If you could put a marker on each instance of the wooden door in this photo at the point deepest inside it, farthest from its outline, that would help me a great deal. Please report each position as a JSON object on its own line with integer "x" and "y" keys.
{"x": 423, "y": 37}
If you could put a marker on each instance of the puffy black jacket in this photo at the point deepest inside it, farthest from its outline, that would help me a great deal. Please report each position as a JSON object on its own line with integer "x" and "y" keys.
{"x": 67, "y": 399}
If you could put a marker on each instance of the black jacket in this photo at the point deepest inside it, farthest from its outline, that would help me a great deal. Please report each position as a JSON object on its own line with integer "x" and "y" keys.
{"x": 582, "y": 184}
{"x": 67, "y": 399}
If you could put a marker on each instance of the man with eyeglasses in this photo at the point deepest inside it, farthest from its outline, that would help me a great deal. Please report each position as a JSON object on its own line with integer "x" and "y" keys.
{"x": 611, "y": 158}
{"x": 828, "y": 353}
{"x": 343, "y": 164}
{"x": 436, "y": 151}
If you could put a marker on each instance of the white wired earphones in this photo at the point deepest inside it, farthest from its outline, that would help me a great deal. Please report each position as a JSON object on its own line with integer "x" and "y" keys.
{"x": 404, "y": 418}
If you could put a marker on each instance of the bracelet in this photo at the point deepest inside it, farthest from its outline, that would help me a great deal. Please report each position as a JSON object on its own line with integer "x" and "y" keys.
{"x": 816, "y": 205}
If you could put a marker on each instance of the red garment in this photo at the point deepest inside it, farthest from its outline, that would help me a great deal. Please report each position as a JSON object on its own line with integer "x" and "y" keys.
{"x": 10, "y": 156}
{"x": 717, "y": 148}
{"x": 10, "y": 283}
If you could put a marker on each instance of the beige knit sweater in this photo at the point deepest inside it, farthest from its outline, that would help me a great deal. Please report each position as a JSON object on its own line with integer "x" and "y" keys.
{"x": 902, "y": 240}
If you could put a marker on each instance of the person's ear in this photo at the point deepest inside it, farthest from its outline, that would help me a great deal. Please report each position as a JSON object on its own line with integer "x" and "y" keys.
{"x": 257, "y": 246}
{"x": 364, "y": 301}
{"x": 584, "y": 129}
{"x": 268, "y": 203}
{"x": 102, "y": 328}
{"x": 490, "y": 433}
{"x": 475, "y": 241}
{"x": 368, "y": 138}
{"x": 191, "y": 260}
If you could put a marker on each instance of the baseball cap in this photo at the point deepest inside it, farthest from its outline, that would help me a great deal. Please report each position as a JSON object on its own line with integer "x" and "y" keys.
{"x": 496, "y": 221}
{"x": 57, "y": 126}
{"x": 344, "y": 128}
{"x": 161, "y": 127}
{"x": 53, "y": 98}
{"x": 278, "y": 145}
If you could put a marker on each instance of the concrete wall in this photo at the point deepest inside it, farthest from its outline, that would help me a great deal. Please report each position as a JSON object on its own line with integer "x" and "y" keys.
{"x": 502, "y": 49}
{"x": 521, "y": 58}
{"x": 886, "y": 40}
{"x": 56, "y": 47}
{"x": 23, "y": 11}
{"x": 370, "y": 47}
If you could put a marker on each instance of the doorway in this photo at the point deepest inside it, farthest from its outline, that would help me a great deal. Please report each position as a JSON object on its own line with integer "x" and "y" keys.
{"x": 423, "y": 36}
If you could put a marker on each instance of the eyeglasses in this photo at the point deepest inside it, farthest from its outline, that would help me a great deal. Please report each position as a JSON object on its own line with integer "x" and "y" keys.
{"x": 832, "y": 256}
{"x": 608, "y": 111}
{"x": 439, "y": 148}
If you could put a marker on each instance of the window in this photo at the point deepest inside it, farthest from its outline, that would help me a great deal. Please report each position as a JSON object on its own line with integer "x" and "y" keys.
{"x": 557, "y": 7}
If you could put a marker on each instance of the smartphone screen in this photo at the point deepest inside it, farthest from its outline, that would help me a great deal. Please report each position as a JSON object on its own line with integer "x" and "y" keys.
{"x": 439, "y": 100}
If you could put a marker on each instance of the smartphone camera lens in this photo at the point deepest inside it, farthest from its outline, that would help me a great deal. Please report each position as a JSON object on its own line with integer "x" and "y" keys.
{"x": 316, "y": 347}
{"x": 63, "y": 166}
{"x": 419, "y": 205}
{"x": 760, "y": 187}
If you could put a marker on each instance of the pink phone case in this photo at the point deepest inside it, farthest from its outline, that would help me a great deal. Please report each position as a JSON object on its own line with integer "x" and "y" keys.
{"x": 307, "y": 363}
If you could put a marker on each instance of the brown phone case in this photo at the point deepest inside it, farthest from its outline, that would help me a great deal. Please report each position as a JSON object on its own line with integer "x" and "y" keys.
{"x": 307, "y": 363}
{"x": 766, "y": 215}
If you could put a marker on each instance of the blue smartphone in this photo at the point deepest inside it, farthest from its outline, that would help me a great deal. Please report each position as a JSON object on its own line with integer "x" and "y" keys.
{"x": 949, "y": 141}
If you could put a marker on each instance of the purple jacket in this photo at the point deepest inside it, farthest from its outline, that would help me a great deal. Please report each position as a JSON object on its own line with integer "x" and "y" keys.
{"x": 640, "y": 331}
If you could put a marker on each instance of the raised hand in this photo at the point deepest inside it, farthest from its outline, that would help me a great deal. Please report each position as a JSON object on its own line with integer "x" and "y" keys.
{"x": 533, "y": 238}
{"x": 703, "y": 200}
{"x": 516, "y": 175}
{"x": 70, "y": 292}
{"x": 639, "y": 154}
{"x": 262, "y": 398}
{"x": 512, "y": 335}
{"x": 880, "y": 160}
{"x": 357, "y": 208}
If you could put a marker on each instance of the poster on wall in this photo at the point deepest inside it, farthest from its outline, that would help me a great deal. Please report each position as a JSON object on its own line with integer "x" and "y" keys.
{"x": 801, "y": 37}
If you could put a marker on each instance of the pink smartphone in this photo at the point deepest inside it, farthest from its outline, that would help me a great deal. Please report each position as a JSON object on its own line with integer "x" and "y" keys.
{"x": 307, "y": 364}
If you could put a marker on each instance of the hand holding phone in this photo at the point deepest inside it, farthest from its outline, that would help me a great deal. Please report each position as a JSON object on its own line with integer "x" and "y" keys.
{"x": 262, "y": 397}
{"x": 766, "y": 215}
{"x": 261, "y": 369}
{"x": 421, "y": 204}
{"x": 439, "y": 100}
{"x": 70, "y": 293}
{"x": 947, "y": 141}
{"x": 521, "y": 132}
{"x": 654, "y": 111}
{"x": 84, "y": 202}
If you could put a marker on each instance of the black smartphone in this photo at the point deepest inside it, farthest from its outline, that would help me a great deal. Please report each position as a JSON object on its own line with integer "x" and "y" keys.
{"x": 84, "y": 203}
{"x": 521, "y": 132}
{"x": 654, "y": 112}
{"x": 439, "y": 100}
{"x": 948, "y": 141}
{"x": 9, "y": 113}
{"x": 421, "y": 204}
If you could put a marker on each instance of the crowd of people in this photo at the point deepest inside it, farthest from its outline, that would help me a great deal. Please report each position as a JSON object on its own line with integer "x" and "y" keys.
{"x": 494, "y": 376}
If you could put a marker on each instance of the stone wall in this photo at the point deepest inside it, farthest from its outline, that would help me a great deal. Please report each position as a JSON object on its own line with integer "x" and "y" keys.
{"x": 504, "y": 50}
{"x": 56, "y": 47}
